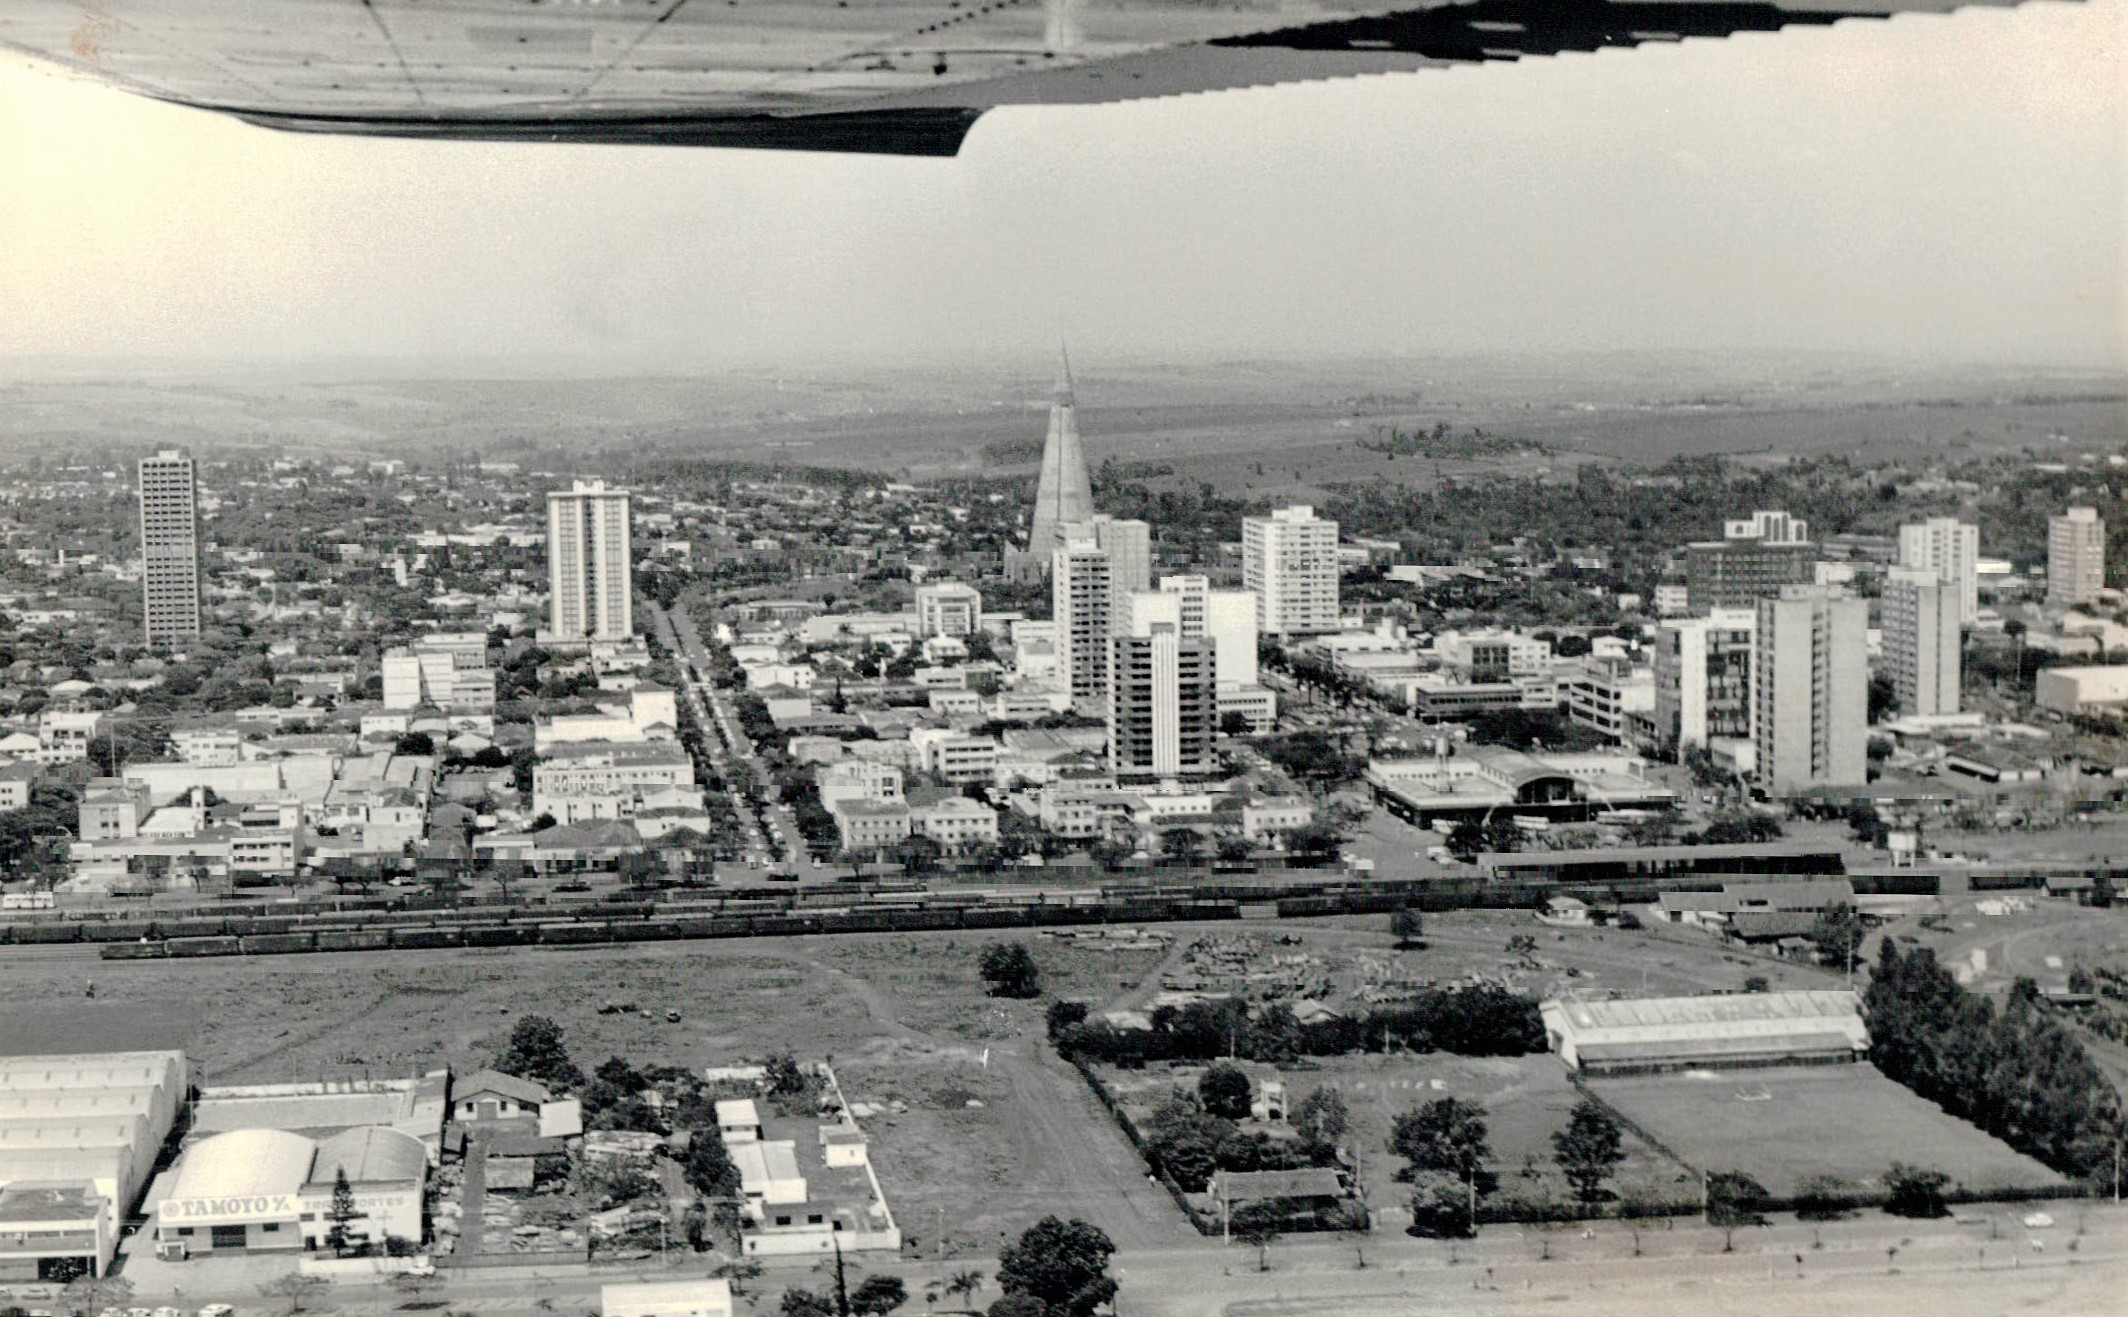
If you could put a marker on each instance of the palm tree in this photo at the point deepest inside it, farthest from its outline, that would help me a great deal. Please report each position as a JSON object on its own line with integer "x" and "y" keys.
{"x": 965, "y": 1285}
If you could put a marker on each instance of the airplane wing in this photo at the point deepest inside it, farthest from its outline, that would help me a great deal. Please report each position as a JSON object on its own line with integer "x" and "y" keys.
{"x": 903, "y": 77}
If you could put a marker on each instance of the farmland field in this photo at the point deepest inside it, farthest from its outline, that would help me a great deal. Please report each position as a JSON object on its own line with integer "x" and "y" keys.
{"x": 1782, "y": 1125}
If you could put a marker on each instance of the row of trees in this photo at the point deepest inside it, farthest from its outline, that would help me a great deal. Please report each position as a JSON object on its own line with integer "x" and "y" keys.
{"x": 2014, "y": 1072}
{"x": 1477, "y": 1021}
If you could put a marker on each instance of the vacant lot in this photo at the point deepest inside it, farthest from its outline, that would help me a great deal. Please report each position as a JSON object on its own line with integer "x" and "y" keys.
{"x": 903, "y": 1018}
{"x": 1783, "y": 1125}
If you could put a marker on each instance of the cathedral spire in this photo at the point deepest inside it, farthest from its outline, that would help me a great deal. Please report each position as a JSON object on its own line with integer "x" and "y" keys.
{"x": 1064, "y": 496}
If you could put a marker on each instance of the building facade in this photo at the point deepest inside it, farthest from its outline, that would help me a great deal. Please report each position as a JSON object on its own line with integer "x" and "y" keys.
{"x": 1163, "y": 706}
{"x": 1289, "y": 562}
{"x": 1810, "y": 691}
{"x": 1921, "y": 640}
{"x": 1703, "y": 678}
{"x": 1083, "y": 606}
{"x": 589, "y": 574}
{"x": 1950, "y": 549}
{"x": 948, "y": 608}
{"x": 2076, "y": 557}
{"x": 169, "y": 547}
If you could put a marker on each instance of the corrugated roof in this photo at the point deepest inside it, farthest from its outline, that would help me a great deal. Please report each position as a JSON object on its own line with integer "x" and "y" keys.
{"x": 370, "y": 1155}
{"x": 1646, "y": 1012}
{"x": 502, "y": 1085}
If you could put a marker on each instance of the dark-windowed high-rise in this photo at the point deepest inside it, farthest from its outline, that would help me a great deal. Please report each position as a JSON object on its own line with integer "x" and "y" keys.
{"x": 169, "y": 547}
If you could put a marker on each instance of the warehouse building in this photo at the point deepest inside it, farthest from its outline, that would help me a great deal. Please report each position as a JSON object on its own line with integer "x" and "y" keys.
{"x": 79, "y": 1137}
{"x": 265, "y": 1190}
{"x": 1651, "y": 1035}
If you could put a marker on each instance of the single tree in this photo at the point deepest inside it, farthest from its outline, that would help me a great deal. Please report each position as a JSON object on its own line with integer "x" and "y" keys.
{"x": 342, "y": 1214}
{"x": 1734, "y": 1199}
{"x": 1179, "y": 843}
{"x": 1441, "y": 1205}
{"x": 1061, "y": 1264}
{"x": 535, "y": 1052}
{"x": 1406, "y": 926}
{"x": 1225, "y": 1091}
{"x": 1447, "y": 1135}
{"x": 876, "y": 1296}
{"x": 784, "y": 1076}
{"x": 294, "y": 1287}
{"x": 1321, "y": 1120}
{"x": 1063, "y": 1014}
{"x": 1009, "y": 970}
{"x": 1588, "y": 1150}
{"x": 1256, "y": 1226}
{"x": 1837, "y": 935}
{"x": 964, "y": 1285}
{"x": 1915, "y": 1191}
{"x": 804, "y": 1303}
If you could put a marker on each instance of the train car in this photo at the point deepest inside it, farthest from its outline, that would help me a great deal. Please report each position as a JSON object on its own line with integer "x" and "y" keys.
{"x": 696, "y": 926}
{"x": 213, "y": 926}
{"x": 574, "y": 935}
{"x": 203, "y": 946}
{"x": 928, "y": 920}
{"x": 859, "y": 921}
{"x": 131, "y": 951}
{"x": 500, "y": 935}
{"x": 646, "y": 930}
{"x": 790, "y": 925}
{"x": 1208, "y": 910}
{"x": 267, "y": 924}
{"x": 40, "y": 934}
{"x": 117, "y": 930}
{"x": 278, "y": 944}
{"x": 426, "y": 939}
{"x": 997, "y": 916}
{"x": 353, "y": 939}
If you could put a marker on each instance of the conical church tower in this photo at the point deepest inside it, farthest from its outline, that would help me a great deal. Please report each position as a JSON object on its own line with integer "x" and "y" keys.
{"x": 1064, "y": 495}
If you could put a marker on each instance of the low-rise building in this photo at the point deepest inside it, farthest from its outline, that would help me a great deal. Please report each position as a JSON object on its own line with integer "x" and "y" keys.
{"x": 1652, "y": 1035}
{"x": 954, "y": 822}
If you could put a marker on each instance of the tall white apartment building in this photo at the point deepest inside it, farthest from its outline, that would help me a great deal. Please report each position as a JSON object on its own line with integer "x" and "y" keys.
{"x": 2076, "y": 557}
{"x": 589, "y": 572}
{"x": 169, "y": 547}
{"x": 948, "y": 608}
{"x": 1289, "y": 562}
{"x": 1192, "y": 594}
{"x": 1810, "y": 691}
{"x": 1163, "y": 705}
{"x": 1951, "y": 549}
{"x": 1083, "y": 606}
{"x": 1129, "y": 546}
{"x": 1921, "y": 640}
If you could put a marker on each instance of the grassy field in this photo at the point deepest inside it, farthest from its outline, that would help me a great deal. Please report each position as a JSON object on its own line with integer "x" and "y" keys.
{"x": 1783, "y": 1125}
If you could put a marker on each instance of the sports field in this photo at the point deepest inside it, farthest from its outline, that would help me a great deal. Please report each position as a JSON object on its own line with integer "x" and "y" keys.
{"x": 1783, "y": 1125}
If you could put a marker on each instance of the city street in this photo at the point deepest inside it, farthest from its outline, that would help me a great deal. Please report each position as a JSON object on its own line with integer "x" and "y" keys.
{"x": 1981, "y": 1260}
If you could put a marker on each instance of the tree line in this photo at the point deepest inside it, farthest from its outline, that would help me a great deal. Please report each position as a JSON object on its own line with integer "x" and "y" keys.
{"x": 1472, "y": 1021}
{"x": 2013, "y": 1071}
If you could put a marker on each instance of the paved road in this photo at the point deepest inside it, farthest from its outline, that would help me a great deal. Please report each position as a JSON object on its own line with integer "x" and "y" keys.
{"x": 1981, "y": 1263}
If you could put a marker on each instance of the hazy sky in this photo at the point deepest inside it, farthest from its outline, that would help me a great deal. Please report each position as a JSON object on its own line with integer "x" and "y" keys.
{"x": 1942, "y": 186}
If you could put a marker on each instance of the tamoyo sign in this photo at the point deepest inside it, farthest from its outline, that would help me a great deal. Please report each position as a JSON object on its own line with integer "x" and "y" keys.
{"x": 243, "y": 1207}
